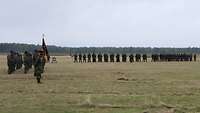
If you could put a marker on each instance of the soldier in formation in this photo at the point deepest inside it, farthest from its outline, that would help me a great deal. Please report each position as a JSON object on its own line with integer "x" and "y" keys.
{"x": 89, "y": 57}
{"x": 195, "y": 57}
{"x": 75, "y": 58}
{"x": 131, "y": 58}
{"x": 19, "y": 61}
{"x": 105, "y": 57}
{"x": 112, "y": 58}
{"x": 117, "y": 58}
{"x": 84, "y": 58}
{"x": 144, "y": 57}
{"x": 28, "y": 61}
{"x": 11, "y": 62}
{"x": 100, "y": 58}
{"x": 80, "y": 58}
{"x": 138, "y": 57}
{"x": 124, "y": 57}
{"x": 93, "y": 57}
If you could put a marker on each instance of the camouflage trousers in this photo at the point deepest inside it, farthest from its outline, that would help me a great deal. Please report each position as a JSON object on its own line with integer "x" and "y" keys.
{"x": 11, "y": 69}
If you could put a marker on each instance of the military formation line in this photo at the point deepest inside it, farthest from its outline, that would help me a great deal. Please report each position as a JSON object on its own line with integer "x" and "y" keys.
{"x": 83, "y": 58}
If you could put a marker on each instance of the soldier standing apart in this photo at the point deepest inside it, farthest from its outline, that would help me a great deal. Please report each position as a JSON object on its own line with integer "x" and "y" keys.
{"x": 11, "y": 62}
{"x": 38, "y": 67}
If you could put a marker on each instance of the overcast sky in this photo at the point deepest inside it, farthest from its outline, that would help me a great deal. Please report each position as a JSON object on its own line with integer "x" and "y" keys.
{"x": 136, "y": 23}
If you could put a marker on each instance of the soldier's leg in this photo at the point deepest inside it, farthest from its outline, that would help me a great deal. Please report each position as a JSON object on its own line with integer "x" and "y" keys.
{"x": 12, "y": 68}
{"x": 26, "y": 68}
{"x": 38, "y": 77}
{"x": 9, "y": 70}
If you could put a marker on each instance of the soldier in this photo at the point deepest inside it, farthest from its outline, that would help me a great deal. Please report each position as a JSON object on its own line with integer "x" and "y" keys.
{"x": 38, "y": 66}
{"x": 18, "y": 61}
{"x": 100, "y": 57}
{"x": 80, "y": 58}
{"x": 112, "y": 58}
{"x": 144, "y": 56}
{"x": 93, "y": 57}
{"x": 117, "y": 58}
{"x": 155, "y": 57}
{"x": 26, "y": 62}
{"x": 30, "y": 60}
{"x": 138, "y": 58}
{"x": 11, "y": 62}
{"x": 75, "y": 58}
{"x": 89, "y": 57}
{"x": 35, "y": 54}
{"x": 124, "y": 57}
{"x": 105, "y": 57}
{"x": 195, "y": 57}
{"x": 131, "y": 58}
{"x": 84, "y": 58}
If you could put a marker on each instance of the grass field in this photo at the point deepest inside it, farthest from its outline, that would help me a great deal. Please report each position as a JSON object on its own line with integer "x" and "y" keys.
{"x": 162, "y": 87}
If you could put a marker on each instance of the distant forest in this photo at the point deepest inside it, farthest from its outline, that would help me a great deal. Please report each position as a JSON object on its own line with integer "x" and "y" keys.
{"x": 6, "y": 47}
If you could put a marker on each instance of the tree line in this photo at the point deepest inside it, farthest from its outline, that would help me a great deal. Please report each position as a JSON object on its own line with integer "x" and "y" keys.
{"x": 6, "y": 47}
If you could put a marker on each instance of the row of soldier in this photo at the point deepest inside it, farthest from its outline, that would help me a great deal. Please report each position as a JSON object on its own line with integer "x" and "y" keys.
{"x": 16, "y": 60}
{"x": 131, "y": 57}
{"x": 109, "y": 58}
{"x": 173, "y": 57}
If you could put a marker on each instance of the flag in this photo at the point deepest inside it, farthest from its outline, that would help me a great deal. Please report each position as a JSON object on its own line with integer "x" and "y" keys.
{"x": 44, "y": 47}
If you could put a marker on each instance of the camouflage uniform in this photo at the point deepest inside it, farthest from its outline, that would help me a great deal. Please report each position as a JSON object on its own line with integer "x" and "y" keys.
{"x": 26, "y": 62}
{"x": 117, "y": 58}
{"x": 11, "y": 63}
{"x": 112, "y": 58}
{"x": 93, "y": 57}
{"x": 80, "y": 57}
{"x": 19, "y": 61}
{"x": 124, "y": 58}
{"x": 195, "y": 57}
{"x": 38, "y": 67}
{"x": 30, "y": 60}
{"x": 89, "y": 57}
{"x": 105, "y": 57}
{"x": 75, "y": 58}
{"x": 100, "y": 57}
{"x": 84, "y": 58}
{"x": 131, "y": 58}
{"x": 144, "y": 56}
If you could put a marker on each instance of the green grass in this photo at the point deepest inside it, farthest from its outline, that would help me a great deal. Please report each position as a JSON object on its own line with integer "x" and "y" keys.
{"x": 162, "y": 87}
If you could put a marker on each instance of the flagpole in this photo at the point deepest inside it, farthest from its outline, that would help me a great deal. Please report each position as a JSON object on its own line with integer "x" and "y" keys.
{"x": 43, "y": 35}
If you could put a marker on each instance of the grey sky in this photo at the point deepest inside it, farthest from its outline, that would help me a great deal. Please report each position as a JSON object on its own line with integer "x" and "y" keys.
{"x": 143, "y": 23}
